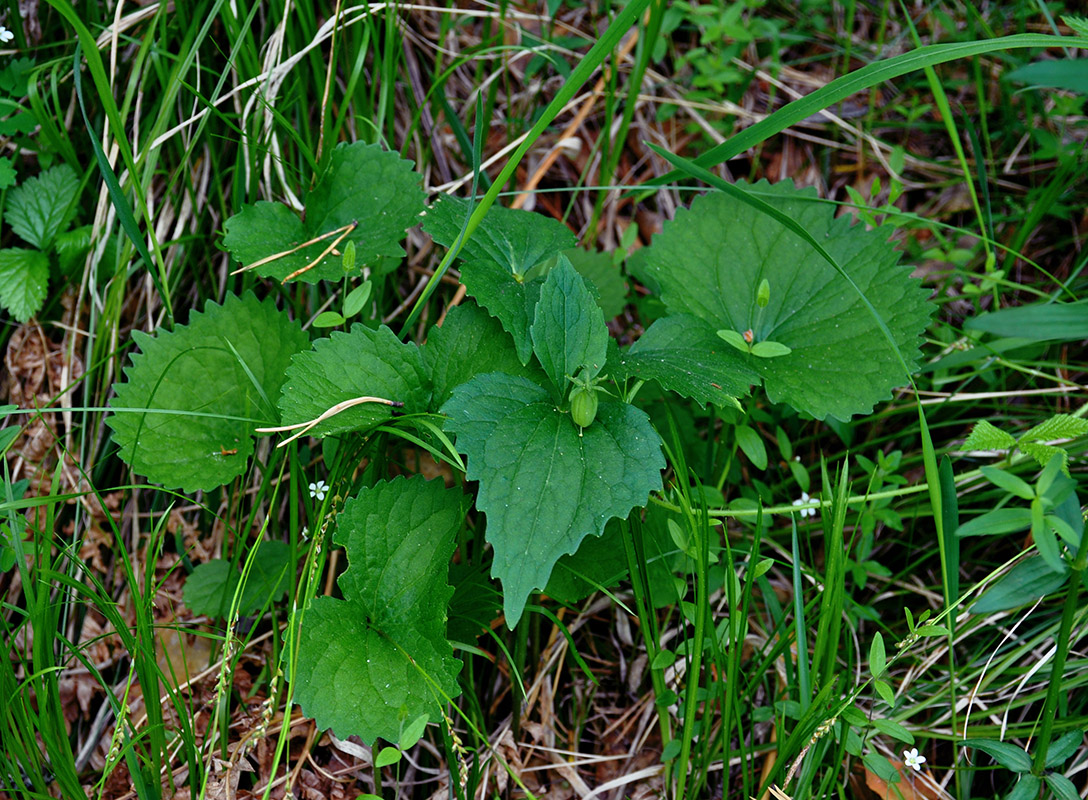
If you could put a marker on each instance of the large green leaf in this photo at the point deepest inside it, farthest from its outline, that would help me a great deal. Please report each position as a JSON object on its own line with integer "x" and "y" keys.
{"x": 40, "y": 208}
{"x": 376, "y": 661}
{"x": 470, "y": 342}
{"x": 685, "y": 355}
{"x": 345, "y": 366}
{"x": 24, "y": 279}
{"x": 545, "y": 485}
{"x": 509, "y": 238}
{"x": 363, "y": 184}
{"x": 600, "y": 270}
{"x": 213, "y": 381}
{"x": 711, "y": 260}
{"x": 568, "y": 327}
{"x": 498, "y": 257}
{"x": 511, "y": 302}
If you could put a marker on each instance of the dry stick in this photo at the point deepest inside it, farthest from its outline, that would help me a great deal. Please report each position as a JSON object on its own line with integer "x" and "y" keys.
{"x": 261, "y": 262}
{"x": 304, "y": 427}
{"x": 354, "y": 224}
{"x": 552, "y": 155}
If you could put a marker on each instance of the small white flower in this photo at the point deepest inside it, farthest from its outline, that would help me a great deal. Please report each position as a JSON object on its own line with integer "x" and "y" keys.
{"x": 305, "y": 533}
{"x": 5, "y": 35}
{"x": 913, "y": 760}
{"x": 805, "y": 512}
{"x": 319, "y": 490}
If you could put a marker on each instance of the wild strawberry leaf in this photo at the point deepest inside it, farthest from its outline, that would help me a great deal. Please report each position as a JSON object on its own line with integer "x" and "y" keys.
{"x": 710, "y": 261}
{"x": 544, "y": 485}
{"x": 568, "y": 327}
{"x": 375, "y": 661}
{"x": 212, "y": 381}
{"x": 24, "y": 279}
{"x": 685, "y": 355}
{"x": 364, "y": 184}
{"x": 42, "y": 206}
{"x": 345, "y": 366}
{"x": 497, "y": 259}
{"x": 470, "y": 342}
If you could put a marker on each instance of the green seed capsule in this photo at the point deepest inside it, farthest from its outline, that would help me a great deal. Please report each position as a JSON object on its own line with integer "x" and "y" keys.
{"x": 763, "y": 294}
{"x": 583, "y": 406}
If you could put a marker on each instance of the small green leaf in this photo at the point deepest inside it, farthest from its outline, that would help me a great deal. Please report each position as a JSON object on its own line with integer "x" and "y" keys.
{"x": 1010, "y": 483}
{"x": 998, "y": 521}
{"x": 24, "y": 279}
{"x": 387, "y": 756}
{"x": 568, "y": 329}
{"x": 413, "y": 732}
{"x": 42, "y": 206}
{"x": 599, "y": 271}
{"x": 1007, "y": 755}
{"x": 671, "y": 750}
{"x": 1025, "y": 583}
{"x": 881, "y": 767}
{"x": 985, "y": 436}
{"x": 855, "y": 716}
{"x": 932, "y": 630}
{"x": 877, "y": 656}
{"x": 762, "y": 568}
{"x": 1027, "y": 788}
{"x": 664, "y": 659}
{"x": 769, "y": 349}
{"x": 736, "y": 339}
{"x": 357, "y": 298}
{"x": 885, "y": 692}
{"x": 893, "y": 729}
{"x": 1063, "y": 748}
{"x": 1062, "y": 787}
{"x": 328, "y": 319}
{"x": 681, "y": 538}
{"x": 751, "y": 443}
{"x": 1045, "y": 540}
